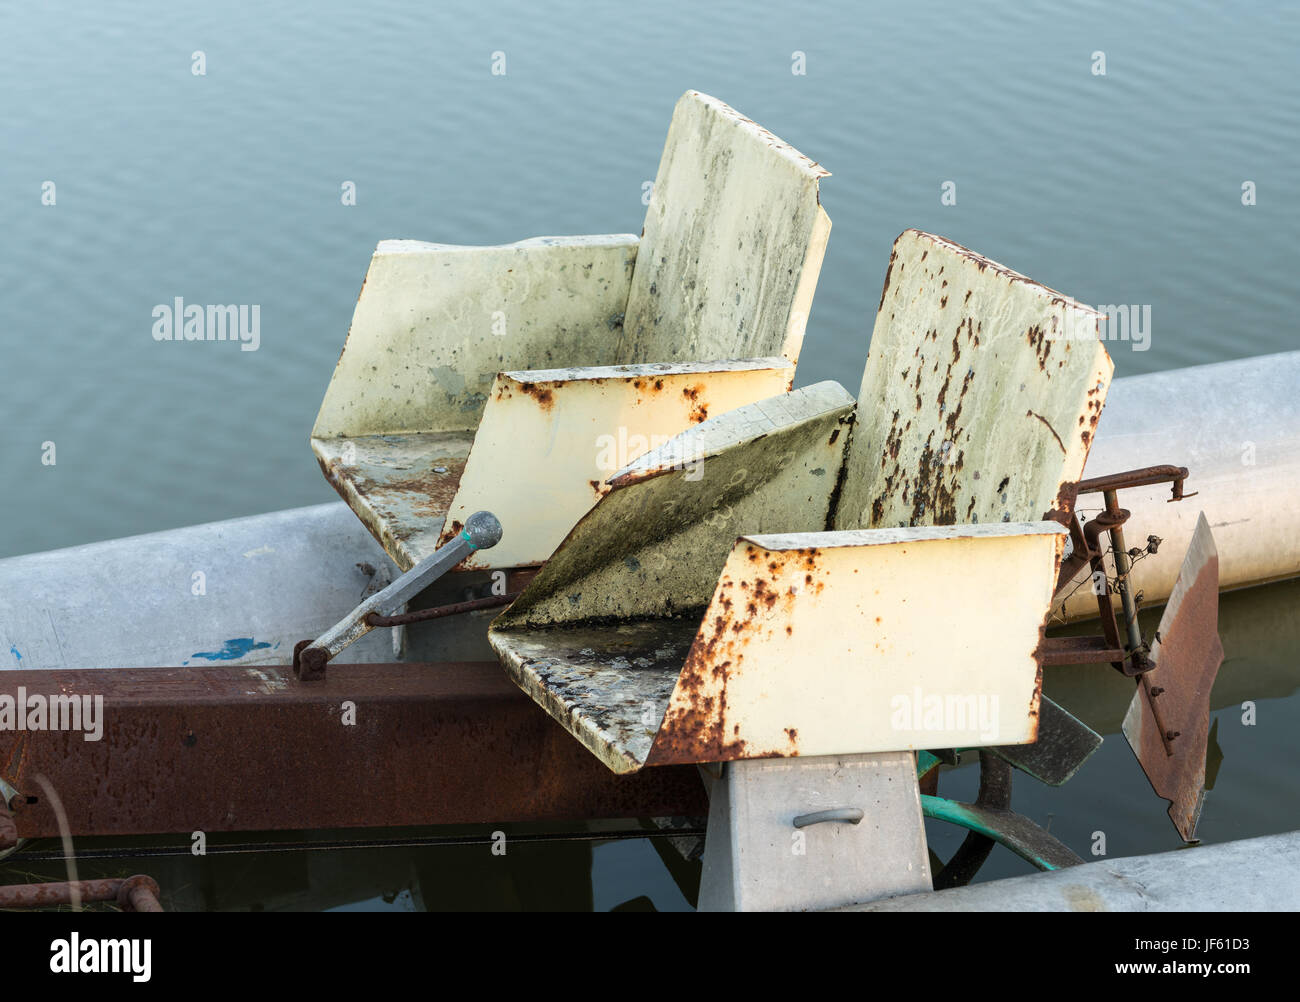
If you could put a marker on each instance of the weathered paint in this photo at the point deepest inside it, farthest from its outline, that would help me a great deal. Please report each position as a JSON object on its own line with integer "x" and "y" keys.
{"x": 1186, "y": 653}
{"x": 826, "y": 643}
{"x": 1007, "y": 828}
{"x": 550, "y": 438}
{"x": 599, "y": 637}
{"x": 620, "y": 687}
{"x": 975, "y": 405}
{"x": 436, "y": 322}
{"x": 654, "y": 545}
{"x": 732, "y": 246}
{"x": 400, "y": 486}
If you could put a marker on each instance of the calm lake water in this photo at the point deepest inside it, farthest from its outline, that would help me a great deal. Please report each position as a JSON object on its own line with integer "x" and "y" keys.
{"x": 225, "y": 188}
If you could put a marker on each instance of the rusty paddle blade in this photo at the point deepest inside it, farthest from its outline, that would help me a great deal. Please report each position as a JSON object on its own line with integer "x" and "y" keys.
{"x": 1167, "y": 724}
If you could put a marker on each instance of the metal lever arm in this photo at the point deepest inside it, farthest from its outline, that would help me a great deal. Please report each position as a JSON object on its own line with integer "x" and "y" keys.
{"x": 482, "y": 531}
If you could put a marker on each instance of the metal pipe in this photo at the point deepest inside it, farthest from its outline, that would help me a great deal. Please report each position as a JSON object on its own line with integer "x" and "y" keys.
{"x": 138, "y": 893}
{"x": 1122, "y": 568}
{"x": 1236, "y": 427}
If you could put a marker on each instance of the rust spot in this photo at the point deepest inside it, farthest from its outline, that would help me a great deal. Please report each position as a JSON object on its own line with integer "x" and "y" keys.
{"x": 893, "y": 255}
{"x": 543, "y": 395}
{"x": 1048, "y": 426}
{"x": 699, "y": 409}
{"x": 1041, "y": 344}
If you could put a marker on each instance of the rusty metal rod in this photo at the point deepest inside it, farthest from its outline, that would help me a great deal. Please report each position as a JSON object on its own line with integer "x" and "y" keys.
{"x": 140, "y": 892}
{"x": 438, "y": 612}
{"x": 1144, "y": 477}
{"x": 1122, "y": 568}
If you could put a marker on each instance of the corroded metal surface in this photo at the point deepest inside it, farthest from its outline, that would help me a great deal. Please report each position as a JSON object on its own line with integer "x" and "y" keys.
{"x": 620, "y": 686}
{"x": 549, "y": 438}
{"x": 434, "y": 323}
{"x": 433, "y": 326}
{"x": 608, "y": 685}
{"x": 855, "y": 612}
{"x": 1174, "y": 696}
{"x": 655, "y": 543}
{"x": 980, "y": 398}
{"x": 239, "y": 749}
{"x": 939, "y": 421}
{"x": 644, "y": 564}
{"x": 734, "y": 238}
{"x": 732, "y": 245}
{"x": 400, "y": 486}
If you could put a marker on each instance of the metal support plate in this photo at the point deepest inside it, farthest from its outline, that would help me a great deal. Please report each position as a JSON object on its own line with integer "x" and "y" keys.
{"x": 755, "y": 859}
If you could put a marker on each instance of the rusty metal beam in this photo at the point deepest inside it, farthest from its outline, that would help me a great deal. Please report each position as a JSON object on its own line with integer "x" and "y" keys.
{"x": 248, "y": 749}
